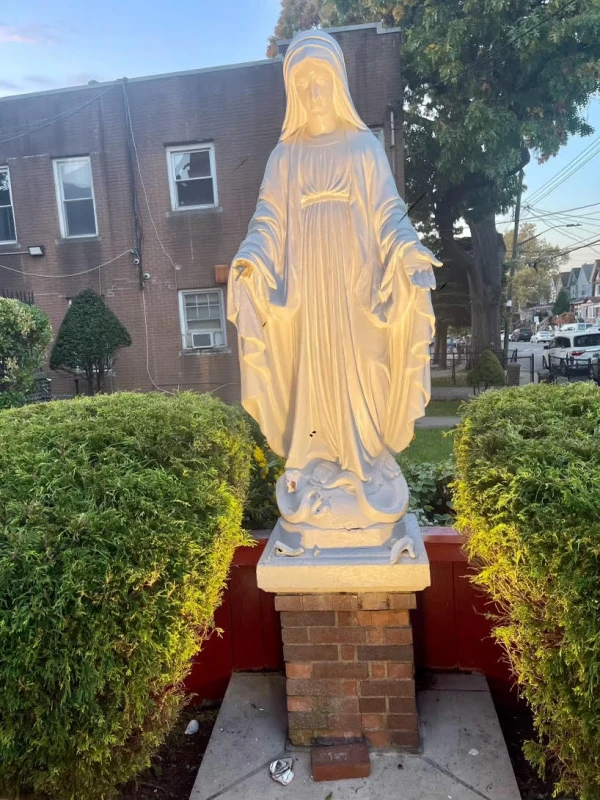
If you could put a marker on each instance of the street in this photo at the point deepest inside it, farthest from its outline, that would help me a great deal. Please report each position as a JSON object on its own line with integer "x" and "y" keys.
{"x": 527, "y": 349}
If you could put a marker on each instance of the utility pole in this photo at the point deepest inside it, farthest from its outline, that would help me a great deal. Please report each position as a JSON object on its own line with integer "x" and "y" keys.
{"x": 513, "y": 266}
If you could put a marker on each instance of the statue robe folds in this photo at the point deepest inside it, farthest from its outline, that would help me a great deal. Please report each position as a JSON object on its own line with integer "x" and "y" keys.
{"x": 334, "y": 338}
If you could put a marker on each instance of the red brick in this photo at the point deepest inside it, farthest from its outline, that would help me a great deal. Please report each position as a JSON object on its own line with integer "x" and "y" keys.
{"x": 346, "y": 618}
{"x": 310, "y": 652}
{"x": 390, "y": 619}
{"x": 373, "y": 601}
{"x": 332, "y": 736}
{"x": 313, "y": 687}
{"x": 298, "y": 670}
{"x": 348, "y": 652}
{"x": 340, "y": 705}
{"x": 375, "y": 635}
{"x": 304, "y": 619}
{"x": 372, "y": 705}
{"x": 387, "y": 688}
{"x": 384, "y": 652}
{"x": 377, "y": 669}
{"x": 300, "y": 704}
{"x": 294, "y": 635}
{"x": 398, "y": 635}
{"x": 345, "y": 721}
{"x": 301, "y": 738}
{"x": 400, "y": 669}
{"x": 402, "y": 722}
{"x": 364, "y": 618}
{"x": 340, "y": 762}
{"x": 378, "y": 739}
{"x": 340, "y": 669}
{"x": 337, "y": 635}
{"x": 405, "y": 740}
{"x": 330, "y": 602}
{"x": 350, "y": 688}
{"x": 402, "y": 705}
{"x": 373, "y": 722}
{"x": 307, "y": 719}
{"x": 288, "y": 602}
{"x": 399, "y": 601}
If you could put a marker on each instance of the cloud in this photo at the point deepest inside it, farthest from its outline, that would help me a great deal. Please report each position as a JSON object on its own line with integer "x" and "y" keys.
{"x": 39, "y": 80}
{"x": 9, "y": 86}
{"x": 28, "y": 34}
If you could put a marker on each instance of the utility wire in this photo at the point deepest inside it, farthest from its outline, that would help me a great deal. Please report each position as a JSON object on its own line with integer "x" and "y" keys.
{"x": 139, "y": 169}
{"x": 52, "y": 120}
{"x": 577, "y": 163}
{"x": 71, "y": 274}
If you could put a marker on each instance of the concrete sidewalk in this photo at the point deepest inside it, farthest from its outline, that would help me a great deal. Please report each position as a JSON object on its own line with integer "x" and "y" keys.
{"x": 464, "y": 755}
{"x": 437, "y": 422}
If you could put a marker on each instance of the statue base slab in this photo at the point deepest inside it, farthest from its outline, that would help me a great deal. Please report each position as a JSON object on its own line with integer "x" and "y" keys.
{"x": 301, "y": 560}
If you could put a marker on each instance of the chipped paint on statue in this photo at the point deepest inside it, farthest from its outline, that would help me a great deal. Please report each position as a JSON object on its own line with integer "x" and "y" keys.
{"x": 330, "y": 293}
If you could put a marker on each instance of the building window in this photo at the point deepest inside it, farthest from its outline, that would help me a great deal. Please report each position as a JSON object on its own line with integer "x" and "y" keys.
{"x": 378, "y": 132}
{"x": 202, "y": 316}
{"x": 7, "y": 216}
{"x": 75, "y": 197}
{"x": 192, "y": 176}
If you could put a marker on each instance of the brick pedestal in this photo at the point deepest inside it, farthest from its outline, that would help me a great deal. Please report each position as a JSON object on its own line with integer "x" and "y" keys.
{"x": 349, "y": 666}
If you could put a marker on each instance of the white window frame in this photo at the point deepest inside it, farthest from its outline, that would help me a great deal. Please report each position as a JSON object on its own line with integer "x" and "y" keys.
{"x": 5, "y": 168}
{"x": 60, "y": 200}
{"x": 192, "y": 148}
{"x": 183, "y": 319}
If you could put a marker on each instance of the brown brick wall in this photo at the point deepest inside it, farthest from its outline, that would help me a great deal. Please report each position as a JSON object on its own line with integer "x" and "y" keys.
{"x": 240, "y": 109}
{"x": 349, "y": 667}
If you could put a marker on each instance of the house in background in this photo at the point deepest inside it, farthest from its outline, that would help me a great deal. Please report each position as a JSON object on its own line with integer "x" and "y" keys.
{"x": 580, "y": 284}
{"x": 589, "y": 308}
{"x": 559, "y": 281}
{"x": 143, "y": 189}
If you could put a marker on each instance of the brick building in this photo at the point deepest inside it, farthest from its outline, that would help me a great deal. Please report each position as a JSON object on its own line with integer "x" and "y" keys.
{"x": 169, "y": 167}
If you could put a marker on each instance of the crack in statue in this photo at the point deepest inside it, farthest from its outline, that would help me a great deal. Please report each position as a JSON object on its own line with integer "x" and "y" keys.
{"x": 330, "y": 293}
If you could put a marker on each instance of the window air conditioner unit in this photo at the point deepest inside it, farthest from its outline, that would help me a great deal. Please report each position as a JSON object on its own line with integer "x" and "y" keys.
{"x": 202, "y": 340}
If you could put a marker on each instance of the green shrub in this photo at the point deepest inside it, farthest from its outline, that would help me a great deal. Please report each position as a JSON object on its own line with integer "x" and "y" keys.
{"x": 487, "y": 372}
{"x": 261, "y": 510}
{"x": 119, "y": 516}
{"x": 430, "y": 495}
{"x": 528, "y": 498}
{"x": 25, "y": 334}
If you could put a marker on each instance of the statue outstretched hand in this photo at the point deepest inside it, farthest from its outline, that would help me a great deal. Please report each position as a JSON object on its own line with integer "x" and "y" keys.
{"x": 243, "y": 268}
{"x": 418, "y": 264}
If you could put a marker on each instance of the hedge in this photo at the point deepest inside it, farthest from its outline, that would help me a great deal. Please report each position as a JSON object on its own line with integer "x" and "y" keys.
{"x": 528, "y": 499}
{"x": 119, "y": 516}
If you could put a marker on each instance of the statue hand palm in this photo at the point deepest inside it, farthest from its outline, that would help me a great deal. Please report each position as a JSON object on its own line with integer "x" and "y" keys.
{"x": 418, "y": 266}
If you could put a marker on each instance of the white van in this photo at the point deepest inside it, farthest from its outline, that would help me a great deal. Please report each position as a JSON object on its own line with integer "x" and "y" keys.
{"x": 572, "y": 350}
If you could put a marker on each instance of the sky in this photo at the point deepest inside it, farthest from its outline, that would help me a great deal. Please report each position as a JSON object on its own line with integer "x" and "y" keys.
{"x": 45, "y": 44}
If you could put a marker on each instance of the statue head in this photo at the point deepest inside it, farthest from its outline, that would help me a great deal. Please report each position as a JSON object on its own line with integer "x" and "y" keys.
{"x": 316, "y": 83}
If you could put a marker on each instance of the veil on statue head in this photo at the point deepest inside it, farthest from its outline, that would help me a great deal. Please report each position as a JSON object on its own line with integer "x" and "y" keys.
{"x": 318, "y": 45}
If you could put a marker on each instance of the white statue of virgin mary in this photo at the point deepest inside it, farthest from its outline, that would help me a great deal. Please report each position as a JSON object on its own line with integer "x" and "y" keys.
{"x": 330, "y": 293}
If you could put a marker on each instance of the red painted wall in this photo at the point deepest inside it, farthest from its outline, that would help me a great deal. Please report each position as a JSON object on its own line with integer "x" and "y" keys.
{"x": 451, "y": 629}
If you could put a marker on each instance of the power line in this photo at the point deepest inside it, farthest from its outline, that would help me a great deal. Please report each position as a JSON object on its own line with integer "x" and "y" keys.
{"x": 139, "y": 169}
{"x": 70, "y": 275}
{"x": 567, "y": 171}
{"x": 52, "y": 120}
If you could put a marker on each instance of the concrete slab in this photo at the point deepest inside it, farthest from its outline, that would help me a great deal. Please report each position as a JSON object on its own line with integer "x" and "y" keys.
{"x": 446, "y": 423}
{"x": 456, "y": 720}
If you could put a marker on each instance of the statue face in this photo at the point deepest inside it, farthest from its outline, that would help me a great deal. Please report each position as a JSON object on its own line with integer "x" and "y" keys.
{"x": 314, "y": 84}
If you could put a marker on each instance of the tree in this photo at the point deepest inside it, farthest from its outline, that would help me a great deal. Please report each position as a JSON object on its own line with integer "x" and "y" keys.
{"x": 25, "y": 334}
{"x": 88, "y": 340}
{"x": 562, "y": 304}
{"x": 538, "y": 262}
{"x": 487, "y": 82}
{"x": 487, "y": 372}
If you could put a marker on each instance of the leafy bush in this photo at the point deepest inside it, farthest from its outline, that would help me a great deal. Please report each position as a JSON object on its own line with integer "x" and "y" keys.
{"x": 261, "y": 508}
{"x": 528, "y": 497}
{"x": 487, "y": 372}
{"x": 88, "y": 340}
{"x": 119, "y": 516}
{"x": 430, "y": 495}
{"x": 25, "y": 334}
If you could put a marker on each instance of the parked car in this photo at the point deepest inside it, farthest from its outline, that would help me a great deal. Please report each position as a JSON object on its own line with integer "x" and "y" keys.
{"x": 571, "y": 352}
{"x": 541, "y": 336}
{"x": 576, "y": 326}
{"x": 521, "y": 335}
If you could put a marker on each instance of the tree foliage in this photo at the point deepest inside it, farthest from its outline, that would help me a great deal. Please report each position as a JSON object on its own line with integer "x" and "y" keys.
{"x": 527, "y": 498}
{"x": 538, "y": 262}
{"x": 562, "y": 303}
{"x": 119, "y": 516}
{"x": 25, "y": 334}
{"x": 88, "y": 339}
{"x": 487, "y": 83}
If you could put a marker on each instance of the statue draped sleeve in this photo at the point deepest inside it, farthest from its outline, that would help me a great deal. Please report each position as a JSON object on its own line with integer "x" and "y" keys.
{"x": 404, "y": 308}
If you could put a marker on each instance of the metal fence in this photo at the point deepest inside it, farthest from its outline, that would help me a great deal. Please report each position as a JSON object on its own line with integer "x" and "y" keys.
{"x": 556, "y": 369}
{"x": 451, "y": 368}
